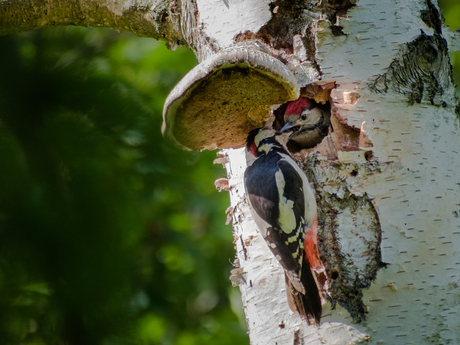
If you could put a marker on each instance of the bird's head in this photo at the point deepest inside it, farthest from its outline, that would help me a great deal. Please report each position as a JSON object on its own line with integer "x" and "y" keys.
{"x": 262, "y": 140}
{"x": 302, "y": 114}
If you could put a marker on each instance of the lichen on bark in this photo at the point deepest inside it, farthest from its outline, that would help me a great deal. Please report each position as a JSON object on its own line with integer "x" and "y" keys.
{"x": 158, "y": 19}
{"x": 349, "y": 230}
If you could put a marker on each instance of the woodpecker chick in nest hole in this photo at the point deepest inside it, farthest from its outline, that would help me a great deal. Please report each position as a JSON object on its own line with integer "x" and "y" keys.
{"x": 312, "y": 120}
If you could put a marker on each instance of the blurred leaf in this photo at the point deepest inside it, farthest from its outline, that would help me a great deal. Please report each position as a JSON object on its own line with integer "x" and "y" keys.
{"x": 451, "y": 14}
{"x": 151, "y": 328}
{"x": 179, "y": 222}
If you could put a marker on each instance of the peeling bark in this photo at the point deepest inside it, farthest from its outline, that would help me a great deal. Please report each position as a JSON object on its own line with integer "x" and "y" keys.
{"x": 388, "y": 228}
{"x": 350, "y": 231}
{"x": 387, "y": 175}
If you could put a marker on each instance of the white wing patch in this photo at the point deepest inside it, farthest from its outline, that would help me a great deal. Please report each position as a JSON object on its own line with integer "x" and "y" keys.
{"x": 287, "y": 218}
{"x": 310, "y": 207}
{"x": 265, "y": 148}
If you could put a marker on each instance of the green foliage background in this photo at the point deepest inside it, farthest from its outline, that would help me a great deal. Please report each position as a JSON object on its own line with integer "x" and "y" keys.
{"x": 451, "y": 14}
{"x": 108, "y": 234}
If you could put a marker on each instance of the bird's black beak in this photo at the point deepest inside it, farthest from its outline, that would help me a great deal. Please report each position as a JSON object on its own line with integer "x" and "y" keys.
{"x": 289, "y": 127}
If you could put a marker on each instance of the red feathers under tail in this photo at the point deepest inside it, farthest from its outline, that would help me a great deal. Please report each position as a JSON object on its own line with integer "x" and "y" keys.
{"x": 308, "y": 304}
{"x": 310, "y": 245}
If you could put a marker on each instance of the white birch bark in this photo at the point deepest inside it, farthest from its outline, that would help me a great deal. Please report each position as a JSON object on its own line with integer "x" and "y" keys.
{"x": 387, "y": 178}
{"x": 411, "y": 173}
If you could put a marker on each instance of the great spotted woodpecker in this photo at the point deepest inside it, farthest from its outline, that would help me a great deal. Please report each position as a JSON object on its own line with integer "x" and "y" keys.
{"x": 313, "y": 119}
{"x": 284, "y": 208}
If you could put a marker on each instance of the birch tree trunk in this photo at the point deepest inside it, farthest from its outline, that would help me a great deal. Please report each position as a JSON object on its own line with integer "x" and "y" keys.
{"x": 387, "y": 180}
{"x": 387, "y": 177}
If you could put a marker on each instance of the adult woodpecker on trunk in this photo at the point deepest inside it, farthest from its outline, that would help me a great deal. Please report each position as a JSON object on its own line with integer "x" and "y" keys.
{"x": 284, "y": 208}
{"x": 313, "y": 120}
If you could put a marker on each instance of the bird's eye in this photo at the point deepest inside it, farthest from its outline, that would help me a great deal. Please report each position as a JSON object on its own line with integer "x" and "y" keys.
{"x": 303, "y": 116}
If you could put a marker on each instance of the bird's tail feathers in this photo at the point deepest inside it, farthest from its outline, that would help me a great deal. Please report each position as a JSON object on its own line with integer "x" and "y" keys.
{"x": 309, "y": 304}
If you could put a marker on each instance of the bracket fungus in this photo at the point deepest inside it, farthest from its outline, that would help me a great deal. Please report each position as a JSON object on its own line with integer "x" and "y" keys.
{"x": 220, "y": 100}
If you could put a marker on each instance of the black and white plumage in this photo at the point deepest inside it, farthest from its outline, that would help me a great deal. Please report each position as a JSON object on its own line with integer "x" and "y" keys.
{"x": 284, "y": 207}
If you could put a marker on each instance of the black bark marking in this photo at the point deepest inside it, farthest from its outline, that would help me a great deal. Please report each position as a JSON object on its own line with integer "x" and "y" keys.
{"x": 418, "y": 72}
{"x": 245, "y": 251}
{"x": 432, "y": 17}
{"x": 297, "y": 337}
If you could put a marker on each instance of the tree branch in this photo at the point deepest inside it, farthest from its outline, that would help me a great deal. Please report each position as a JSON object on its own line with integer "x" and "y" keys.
{"x": 159, "y": 19}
